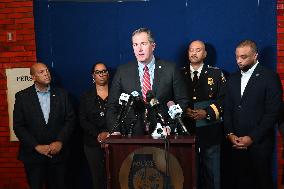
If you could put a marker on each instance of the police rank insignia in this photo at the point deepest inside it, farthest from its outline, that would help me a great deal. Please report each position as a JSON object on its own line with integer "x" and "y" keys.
{"x": 210, "y": 81}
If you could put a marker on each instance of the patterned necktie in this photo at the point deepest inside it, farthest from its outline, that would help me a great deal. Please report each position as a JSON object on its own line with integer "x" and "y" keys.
{"x": 146, "y": 82}
{"x": 195, "y": 78}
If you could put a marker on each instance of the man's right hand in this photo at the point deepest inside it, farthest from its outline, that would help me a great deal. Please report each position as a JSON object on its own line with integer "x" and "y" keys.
{"x": 189, "y": 112}
{"x": 236, "y": 142}
{"x": 43, "y": 149}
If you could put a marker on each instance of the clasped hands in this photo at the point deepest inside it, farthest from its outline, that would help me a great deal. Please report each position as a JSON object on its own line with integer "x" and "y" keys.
{"x": 49, "y": 150}
{"x": 196, "y": 114}
{"x": 240, "y": 143}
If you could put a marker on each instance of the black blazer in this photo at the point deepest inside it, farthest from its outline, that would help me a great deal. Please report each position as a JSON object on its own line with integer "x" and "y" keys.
{"x": 30, "y": 126}
{"x": 90, "y": 119}
{"x": 256, "y": 112}
{"x": 168, "y": 85}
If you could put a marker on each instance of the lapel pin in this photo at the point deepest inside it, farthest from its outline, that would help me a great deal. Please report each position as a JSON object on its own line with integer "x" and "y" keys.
{"x": 160, "y": 66}
{"x": 53, "y": 95}
{"x": 257, "y": 74}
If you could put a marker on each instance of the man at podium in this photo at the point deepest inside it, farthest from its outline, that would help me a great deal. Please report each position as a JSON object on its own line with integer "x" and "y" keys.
{"x": 147, "y": 73}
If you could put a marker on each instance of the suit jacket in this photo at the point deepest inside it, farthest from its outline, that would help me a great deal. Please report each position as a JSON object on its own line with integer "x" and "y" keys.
{"x": 90, "y": 116}
{"x": 168, "y": 85}
{"x": 209, "y": 87}
{"x": 256, "y": 112}
{"x": 30, "y": 126}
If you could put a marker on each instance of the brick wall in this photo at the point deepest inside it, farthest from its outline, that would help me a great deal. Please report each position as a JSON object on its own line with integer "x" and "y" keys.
{"x": 17, "y": 49}
{"x": 280, "y": 70}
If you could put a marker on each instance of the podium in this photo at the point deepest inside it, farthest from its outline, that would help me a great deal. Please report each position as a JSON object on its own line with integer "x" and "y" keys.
{"x": 145, "y": 162}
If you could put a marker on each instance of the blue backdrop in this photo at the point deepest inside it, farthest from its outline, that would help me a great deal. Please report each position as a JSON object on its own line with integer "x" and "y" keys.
{"x": 71, "y": 36}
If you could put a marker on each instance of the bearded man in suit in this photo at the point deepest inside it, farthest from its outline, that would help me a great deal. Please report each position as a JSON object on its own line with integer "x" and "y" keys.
{"x": 252, "y": 103}
{"x": 43, "y": 122}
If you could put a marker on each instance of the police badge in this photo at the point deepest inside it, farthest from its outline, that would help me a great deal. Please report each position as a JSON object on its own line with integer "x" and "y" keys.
{"x": 210, "y": 81}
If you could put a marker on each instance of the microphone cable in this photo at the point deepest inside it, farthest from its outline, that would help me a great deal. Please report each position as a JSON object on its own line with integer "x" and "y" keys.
{"x": 167, "y": 182}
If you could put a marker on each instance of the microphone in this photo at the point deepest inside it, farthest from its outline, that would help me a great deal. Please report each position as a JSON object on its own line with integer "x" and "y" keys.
{"x": 138, "y": 105}
{"x": 130, "y": 101}
{"x": 175, "y": 112}
{"x": 154, "y": 103}
{"x": 123, "y": 101}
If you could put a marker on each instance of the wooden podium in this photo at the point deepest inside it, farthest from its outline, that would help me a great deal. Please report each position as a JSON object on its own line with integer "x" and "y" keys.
{"x": 144, "y": 162}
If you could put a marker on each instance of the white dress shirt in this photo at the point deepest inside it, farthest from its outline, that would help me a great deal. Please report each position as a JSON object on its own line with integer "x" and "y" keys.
{"x": 198, "y": 70}
{"x": 245, "y": 78}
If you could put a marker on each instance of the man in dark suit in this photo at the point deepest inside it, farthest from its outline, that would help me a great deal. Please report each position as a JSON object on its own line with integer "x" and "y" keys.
{"x": 146, "y": 73}
{"x": 252, "y": 104}
{"x": 207, "y": 94}
{"x": 43, "y": 123}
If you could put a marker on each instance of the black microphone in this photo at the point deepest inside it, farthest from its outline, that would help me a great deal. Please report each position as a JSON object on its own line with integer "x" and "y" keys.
{"x": 130, "y": 103}
{"x": 123, "y": 101}
{"x": 154, "y": 104}
{"x": 175, "y": 112}
{"x": 139, "y": 105}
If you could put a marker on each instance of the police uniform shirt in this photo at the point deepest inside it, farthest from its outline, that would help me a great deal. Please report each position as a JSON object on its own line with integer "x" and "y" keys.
{"x": 198, "y": 70}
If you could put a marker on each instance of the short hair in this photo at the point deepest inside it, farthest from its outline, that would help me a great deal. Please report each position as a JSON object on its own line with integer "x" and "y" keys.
{"x": 145, "y": 30}
{"x": 249, "y": 43}
{"x": 203, "y": 44}
{"x": 32, "y": 68}
{"x": 98, "y": 62}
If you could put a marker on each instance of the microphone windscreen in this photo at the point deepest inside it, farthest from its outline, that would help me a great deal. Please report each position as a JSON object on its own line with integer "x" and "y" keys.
{"x": 135, "y": 93}
{"x": 154, "y": 102}
{"x": 170, "y": 103}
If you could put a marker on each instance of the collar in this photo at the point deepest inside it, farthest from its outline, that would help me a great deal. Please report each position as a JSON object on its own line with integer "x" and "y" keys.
{"x": 150, "y": 65}
{"x": 250, "y": 71}
{"x": 199, "y": 69}
{"x": 38, "y": 90}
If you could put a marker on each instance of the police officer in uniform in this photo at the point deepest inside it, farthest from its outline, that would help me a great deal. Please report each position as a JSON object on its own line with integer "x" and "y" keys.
{"x": 204, "y": 115}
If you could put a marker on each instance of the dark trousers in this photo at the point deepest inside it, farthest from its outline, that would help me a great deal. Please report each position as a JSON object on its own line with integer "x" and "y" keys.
{"x": 96, "y": 161}
{"x": 49, "y": 174}
{"x": 252, "y": 169}
{"x": 208, "y": 167}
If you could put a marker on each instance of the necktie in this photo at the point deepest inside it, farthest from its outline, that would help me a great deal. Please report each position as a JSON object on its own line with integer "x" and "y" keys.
{"x": 146, "y": 82}
{"x": 195, "y": 78}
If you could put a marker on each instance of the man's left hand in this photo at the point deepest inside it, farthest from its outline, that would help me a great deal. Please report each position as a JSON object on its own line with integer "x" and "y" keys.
{"x": 243, "y": 142}
{"x": 55, "y": 147}
{"x": 199, "y": 114}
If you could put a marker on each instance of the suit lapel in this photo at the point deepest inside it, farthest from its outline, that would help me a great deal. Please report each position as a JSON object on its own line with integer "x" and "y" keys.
{"x": 202, "y": 76}
{"x": 36, "y": 104}
{"x": 252, "y": 80}
{"x": 238, "y": 86}
{"x": 53, "y": 103}
{"x": 157, "y": 73}
{"x": 135, "y": 75}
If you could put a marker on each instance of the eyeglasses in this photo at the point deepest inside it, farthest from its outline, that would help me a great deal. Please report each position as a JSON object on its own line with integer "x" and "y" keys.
{"x": 101, "y": 72}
